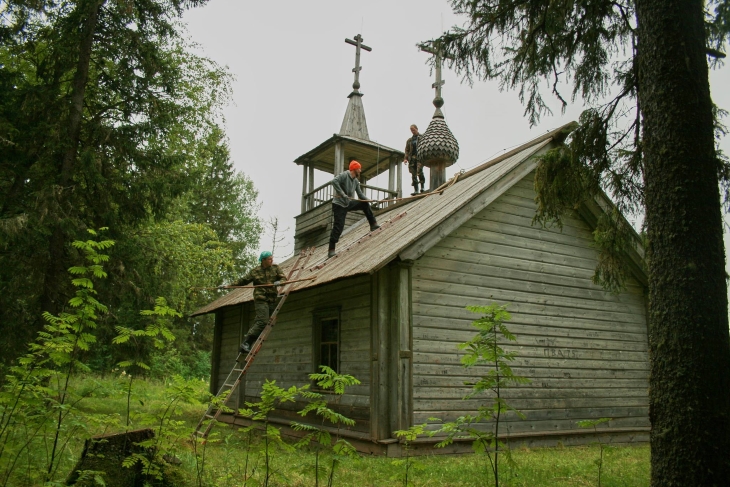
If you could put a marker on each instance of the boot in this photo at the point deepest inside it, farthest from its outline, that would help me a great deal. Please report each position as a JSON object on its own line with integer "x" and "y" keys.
{"x": 374, "y": 226}
{"x": 423, "y": 187}
{"x": 415, "y": 190}
{"x": 245, "y": 345}
{"x": 330, "y": 252}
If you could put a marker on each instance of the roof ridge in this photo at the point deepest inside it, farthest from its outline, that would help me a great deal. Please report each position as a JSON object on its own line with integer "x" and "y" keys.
{"x": 563, "y": 130}
{"x": 420, "y": 222}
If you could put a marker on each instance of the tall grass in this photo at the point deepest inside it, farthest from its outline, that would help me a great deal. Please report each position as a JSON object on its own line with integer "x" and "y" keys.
{"x": 50, "y": 404}
{"x": 106, "y": 402}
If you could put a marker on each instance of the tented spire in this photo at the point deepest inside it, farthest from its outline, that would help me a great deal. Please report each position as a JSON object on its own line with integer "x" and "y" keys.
{"x": 354, "y": 123}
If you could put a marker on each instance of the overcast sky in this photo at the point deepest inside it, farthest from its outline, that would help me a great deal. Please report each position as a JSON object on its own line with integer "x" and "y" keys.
{"x": 293, "y": 73}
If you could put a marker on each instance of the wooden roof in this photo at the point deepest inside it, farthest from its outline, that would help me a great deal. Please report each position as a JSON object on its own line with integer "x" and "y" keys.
{"x": 354, "y": 123}
{"x": 411, "y": 227}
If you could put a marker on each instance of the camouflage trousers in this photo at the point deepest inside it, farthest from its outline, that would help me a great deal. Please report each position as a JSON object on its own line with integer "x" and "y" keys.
{"x": 263, "y": 312}
{"x": 417, "y": 175}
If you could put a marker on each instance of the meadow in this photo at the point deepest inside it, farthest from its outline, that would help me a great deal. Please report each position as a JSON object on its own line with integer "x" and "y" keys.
{"x": 232, "y": 457}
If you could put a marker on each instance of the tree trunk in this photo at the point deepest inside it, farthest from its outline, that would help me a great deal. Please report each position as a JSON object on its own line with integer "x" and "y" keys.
{"x": 688, "y": 324}
{"x": 56, "y": 249}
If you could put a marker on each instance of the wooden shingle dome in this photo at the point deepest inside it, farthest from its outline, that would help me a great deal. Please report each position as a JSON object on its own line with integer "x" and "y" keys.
{"x": 438, "y": 145}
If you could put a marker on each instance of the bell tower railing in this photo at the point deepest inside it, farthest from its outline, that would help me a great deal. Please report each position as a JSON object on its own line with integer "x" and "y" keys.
{"x": 324, "y": 194}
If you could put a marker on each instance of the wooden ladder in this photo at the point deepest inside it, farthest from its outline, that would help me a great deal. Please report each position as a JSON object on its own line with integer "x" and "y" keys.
{"x": 239, "y": 369}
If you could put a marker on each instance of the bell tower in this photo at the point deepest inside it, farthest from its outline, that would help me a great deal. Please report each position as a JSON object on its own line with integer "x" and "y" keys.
{"x": 333, "y": 156}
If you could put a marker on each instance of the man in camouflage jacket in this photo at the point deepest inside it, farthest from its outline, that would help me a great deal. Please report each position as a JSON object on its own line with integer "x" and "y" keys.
{"x": 411, "y": 158}
{"x": 264, "y": 298}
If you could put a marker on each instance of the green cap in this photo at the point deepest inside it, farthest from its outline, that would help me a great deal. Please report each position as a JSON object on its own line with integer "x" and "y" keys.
{"x": 265, "y": 255}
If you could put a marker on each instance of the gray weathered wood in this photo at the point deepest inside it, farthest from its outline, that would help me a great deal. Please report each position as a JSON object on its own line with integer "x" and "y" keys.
{"x": 537, "y": 370}
{"x": 433, "y": 293}
{"x": 287, "y": 354}
{"x": 391, "y": 175}
{"x": 584, "y": 348}
{"x": 339, "y": 158}
{"x": 400, "y": 353}
{"x": 310, "y": 188}
{"x": 382, "y": 357}
{"x": 313, "y": 227}
{"x": 524, "y": 270}
{"x": 358, "y": 45}
{"x": 457, "y": 219}
{"x": 230, "y": 334}
{"x": 216, "y": 354}
{"x": 444, "y": 271}
{"x": 561, "y": 382}
{"x": 538, "y": 336}
{"x": 516, "y": 426}
{"x": 405, "y": 355}
{"x": 527, "y": 314}
{"x": 304, "y": 188}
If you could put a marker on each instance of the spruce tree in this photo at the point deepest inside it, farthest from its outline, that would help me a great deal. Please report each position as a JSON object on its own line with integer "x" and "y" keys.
{"x": 108, "y": 119}
{"x": 645, "y": 61}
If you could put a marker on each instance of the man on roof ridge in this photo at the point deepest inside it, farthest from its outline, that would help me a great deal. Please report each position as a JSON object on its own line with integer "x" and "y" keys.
{"x": 411, "y": 158}
{"x": 346, "y": 186}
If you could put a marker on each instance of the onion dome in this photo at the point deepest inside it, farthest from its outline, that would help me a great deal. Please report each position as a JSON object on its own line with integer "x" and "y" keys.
{"x": 438, "y": 146}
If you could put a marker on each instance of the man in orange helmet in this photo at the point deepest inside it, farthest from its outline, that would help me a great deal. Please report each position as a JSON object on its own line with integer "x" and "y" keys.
{"x": 346, "y": 185}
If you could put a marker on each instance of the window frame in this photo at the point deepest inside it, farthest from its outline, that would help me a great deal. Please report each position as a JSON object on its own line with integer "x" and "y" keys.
{"x": 318, "y": 316}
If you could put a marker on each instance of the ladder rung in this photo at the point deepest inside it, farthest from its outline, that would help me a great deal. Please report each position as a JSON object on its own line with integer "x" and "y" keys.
{"x": 208, "y": 415}
{"x": 230, "y": 385}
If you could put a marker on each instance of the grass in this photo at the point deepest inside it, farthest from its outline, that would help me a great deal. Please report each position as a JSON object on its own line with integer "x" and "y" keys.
{"x": 625, "y": 466}
{"x": 226, "y": 453}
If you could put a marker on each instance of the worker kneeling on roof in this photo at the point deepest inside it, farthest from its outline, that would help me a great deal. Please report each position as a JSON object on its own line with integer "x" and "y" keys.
{"x": 346, "y": 185}
{"x": 264, "y": 298}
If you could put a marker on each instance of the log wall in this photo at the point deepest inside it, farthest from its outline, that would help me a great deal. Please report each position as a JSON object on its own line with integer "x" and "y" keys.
{"x": 286, "y": 357}
{"x": 584, "y": 349}
{"x": 313, "y": 227}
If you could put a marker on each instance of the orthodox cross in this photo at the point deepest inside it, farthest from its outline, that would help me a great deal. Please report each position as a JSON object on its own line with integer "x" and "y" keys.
{"x": 435, "y": 49}
{"x": 358, "y": 45}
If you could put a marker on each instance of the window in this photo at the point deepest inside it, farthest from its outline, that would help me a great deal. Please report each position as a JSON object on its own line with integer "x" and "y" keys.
{"x": 326, "y": 341}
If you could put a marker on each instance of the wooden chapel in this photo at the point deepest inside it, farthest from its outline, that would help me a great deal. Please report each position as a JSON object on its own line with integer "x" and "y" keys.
{"x": 390, "y": 307}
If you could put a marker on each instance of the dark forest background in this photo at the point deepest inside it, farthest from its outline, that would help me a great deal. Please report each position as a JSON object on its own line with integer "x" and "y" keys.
{"x": 109, "y": 120}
